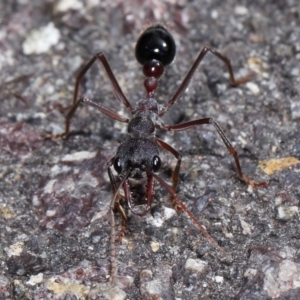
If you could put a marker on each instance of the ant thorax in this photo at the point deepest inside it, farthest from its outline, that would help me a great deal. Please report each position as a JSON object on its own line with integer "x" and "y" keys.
{"x": 146, "y": 112}
{"x": 148, "y": 104}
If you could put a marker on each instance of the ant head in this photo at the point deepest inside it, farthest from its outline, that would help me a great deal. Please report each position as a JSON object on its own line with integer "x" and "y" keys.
{"x": 137, "y": 155}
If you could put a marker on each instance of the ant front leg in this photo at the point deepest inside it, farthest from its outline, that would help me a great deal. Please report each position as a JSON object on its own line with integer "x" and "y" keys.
{"x": 188, "y": 77}
{"x": 117, "y": 202}
{"x": 227, "y": 143}
{"x": 112, "y": 206}
{"x": 76, "y": 102}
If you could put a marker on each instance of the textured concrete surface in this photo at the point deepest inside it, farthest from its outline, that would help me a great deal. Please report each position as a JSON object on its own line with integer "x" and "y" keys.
{"x": 54, "y": 195}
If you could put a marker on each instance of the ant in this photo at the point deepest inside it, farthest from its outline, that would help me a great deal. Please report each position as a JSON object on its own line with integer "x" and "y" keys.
{"x": 137, "y": 160}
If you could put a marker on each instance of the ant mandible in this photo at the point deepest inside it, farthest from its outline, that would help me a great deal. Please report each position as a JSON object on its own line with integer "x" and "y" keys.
{"x": 137, "y": 158}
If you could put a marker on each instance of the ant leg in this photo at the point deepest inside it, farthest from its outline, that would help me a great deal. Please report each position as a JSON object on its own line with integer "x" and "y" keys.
{"x": 123, "y": 223}
{"x": 187, "y": 79}
{"x": 86, "y": 101}
{"x": 110, "y": 113}
{"x": 178, "y": 156}
{"x": 117, "y": 202}
{"x": 227, "y": 143}
{"x": 179, "y": 207}
{"x": 112, "y": 228}
{"x": 116, "y": 89}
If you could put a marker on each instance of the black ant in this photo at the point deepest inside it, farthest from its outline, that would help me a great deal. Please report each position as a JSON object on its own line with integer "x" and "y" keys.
{"x": 137, "y": 159}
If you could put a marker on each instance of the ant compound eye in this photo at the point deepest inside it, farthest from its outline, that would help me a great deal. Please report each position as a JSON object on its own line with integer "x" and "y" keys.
{"x": 117, "y": 165}
{"x": 156, "y": 163}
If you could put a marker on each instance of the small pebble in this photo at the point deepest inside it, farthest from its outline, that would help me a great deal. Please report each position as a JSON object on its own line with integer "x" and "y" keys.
{"x": 286, "y": 213}
{"x": 241, "y": 10}
{"x": 78, "y": 156}
{"x": 295, "y": 110}
{"x": 35, "y": 279}
{"x": 253, "y": 88}
{"x": 196, "y": 265}
{"x": 41, "y": 40}
{"x": 219, "y": 279}
{"x": 154, "y": 246}
{"x": 65, "y": 5}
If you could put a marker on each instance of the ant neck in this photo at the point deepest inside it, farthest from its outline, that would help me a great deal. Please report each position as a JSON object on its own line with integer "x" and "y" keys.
{"x": 152, "y": 69}
{"x": 150, "y": 85}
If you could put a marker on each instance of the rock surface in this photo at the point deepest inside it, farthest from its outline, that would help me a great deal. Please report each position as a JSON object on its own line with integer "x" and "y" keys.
{"x": 54, "y": 195}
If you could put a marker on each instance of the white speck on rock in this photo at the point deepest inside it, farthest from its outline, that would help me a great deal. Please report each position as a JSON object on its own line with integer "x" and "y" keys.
{"x": 246, "y": 227}
{"x": 158, "y": 219}
{"x": 174, "y": 250}
{"x": 219, "y": 279}
{"x": 6, "y": 58}
{"x": 295, "y": 72}
{"x": 287, "y": 212}
{"x": 35, "y": 279}
{"x": 241, "y": 10}
{"x": 253, "y": 88}
{"x": 214, "y": 14}
{"x": 51, "y": 212}
{"x": 154, "y": 246}
{"x": 250, "y": 272}
{"x": 78, "y": 156}
{"x": 49, "y": 186}
{"x": 204, "y": 167}
{"x": 295, "y": 110}
{"x": 35, "y": 201}
{"x": 154, "y": 221}
{"x": 195, "y": 265}
{"x": 65, "y": 5}
{"x": 55, "y": 170}
{"x": 41, "y": 40}
{"x": 168, "y": 213}
{"x": 14, "y": 249}
{"x": 250, "y": 189}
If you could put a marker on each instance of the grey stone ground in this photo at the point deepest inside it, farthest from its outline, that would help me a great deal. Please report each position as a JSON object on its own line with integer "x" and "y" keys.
{"x": 54, "y": 195}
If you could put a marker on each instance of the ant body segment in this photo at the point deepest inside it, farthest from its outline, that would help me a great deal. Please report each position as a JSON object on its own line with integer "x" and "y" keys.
{"x": 137, "y": 158}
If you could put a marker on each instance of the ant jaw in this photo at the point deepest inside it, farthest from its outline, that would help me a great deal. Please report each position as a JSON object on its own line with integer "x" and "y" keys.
{"x": 140, "y": 211}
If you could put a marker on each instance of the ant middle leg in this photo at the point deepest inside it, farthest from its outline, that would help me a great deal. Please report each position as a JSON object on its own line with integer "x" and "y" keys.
{"x": 227, "y": 143}
{"x": 188, "y": 77}
{"x": 76, "y": 102}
